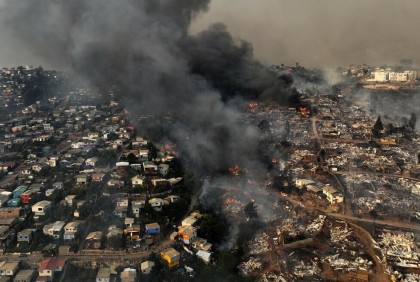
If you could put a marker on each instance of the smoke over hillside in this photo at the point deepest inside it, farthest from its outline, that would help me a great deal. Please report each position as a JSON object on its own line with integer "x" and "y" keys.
{"x": 194, "y": 86}
{"x": 143, "y": 47}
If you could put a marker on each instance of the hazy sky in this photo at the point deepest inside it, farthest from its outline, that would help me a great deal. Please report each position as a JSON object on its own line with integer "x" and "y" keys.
{"x": 323, "y": 32}
{"x": 313, "y": 32}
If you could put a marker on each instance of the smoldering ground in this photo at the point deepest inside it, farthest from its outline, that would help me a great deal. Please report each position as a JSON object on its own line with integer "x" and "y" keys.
{"x": 143, "y": 48}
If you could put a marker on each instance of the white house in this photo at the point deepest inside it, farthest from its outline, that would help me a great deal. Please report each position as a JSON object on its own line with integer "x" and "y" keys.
{"x": 146, "y": 267}
{"x": 304, "y": 182}
{"x": 91, "y": 162}
{"x": 70, "y": 230}
{"x": 9, "y": 268}
{"x": 137, "y": 180}
{"x": 54, "y": 229}
{"x": 333, "y": 195}
{"x": 157, "y": 203}
{"x": 41, "y": 208}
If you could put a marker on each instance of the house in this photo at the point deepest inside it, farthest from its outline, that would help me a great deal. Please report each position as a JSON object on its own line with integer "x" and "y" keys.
{"x": 191, "y": 219}
{"x": 82, "y": 179}
{"x": 201, "y": 244}
{"x": 133, "y": 233}
{"x": 333, "y": 195}
{"x": 137, "y": 181}
{"x": 300, "y": 183}
{"x": 70, "y": 200}
{"x": 128, "y": 221}
{"x": 204, "y": 256}
{"x": 152, "y": 228}
{"x": 187, "y": 233}
{"x": 29, "y": 195}
{"x": 146, "y": 267}
{"x": 103, "y": 275}
{"x": 94, "y": 240}
{"x": 7, "y": 236}
{"x": 91, "y": 162}
{"x": 157, "y": 203}
{"x": 17, "y": 193}
{"x": 25, "y": 275}
{"x": 97, "y": 177}
{"x": 122, "y": 202}
{"x": 163, "y": 169}
{"x": 120, "y": 211}
{"x": 171, "y": 256}
{"x": 58, "y": 185}
{"x": 9, "y": 268}
{"x": 114, "y": 231}
{"x": 136, "y": 207}
{"x": 54, "y": 229}
{"x": 160, "y": 182}
{"x": 41, "y": 208}
{"x": 122, "y": 166}
{"x": 172, "y": 198}
{"x": 13, "y": 202}
{"x": 129, "y": 275}
{"x": 49, "y": 268}
{"x": 10, "y": 212}
{"x": 70, "y": 230}
{"x": 26, "y": 235}
{"x": 150, "y": 168}
{"x": 52, "y": 162}
{"x": 49, "y": 192}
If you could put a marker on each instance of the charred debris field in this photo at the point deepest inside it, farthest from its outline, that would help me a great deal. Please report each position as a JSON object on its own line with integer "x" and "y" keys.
{"x": 304, "y": 189}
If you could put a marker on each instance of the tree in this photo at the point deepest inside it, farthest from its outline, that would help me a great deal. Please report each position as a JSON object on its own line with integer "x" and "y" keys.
{"x": 115, "y": 242}
{"x": 251, "y": 210}
{"x": 412, "y": 122}
{"x": 377, "y": 127}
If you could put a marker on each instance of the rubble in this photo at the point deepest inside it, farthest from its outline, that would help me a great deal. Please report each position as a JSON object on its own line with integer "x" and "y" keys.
{"x": 247, "y": 267}
{"x": 259, "y": 245}
{"x": 340, "y": 263}
{"x": 306, "y": 269}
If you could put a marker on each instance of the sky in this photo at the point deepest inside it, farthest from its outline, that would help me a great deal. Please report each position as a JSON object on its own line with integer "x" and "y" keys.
{"x": 322, "y": 33}
{"x": 315, "y": 33}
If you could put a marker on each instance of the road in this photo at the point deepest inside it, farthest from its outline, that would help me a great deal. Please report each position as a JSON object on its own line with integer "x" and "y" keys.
{"x": 359, "y": 171}
{"x": 392, "y": 223}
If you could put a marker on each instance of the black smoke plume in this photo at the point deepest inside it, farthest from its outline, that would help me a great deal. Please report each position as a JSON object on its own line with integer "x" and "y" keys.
{"x": 194, "y": 86}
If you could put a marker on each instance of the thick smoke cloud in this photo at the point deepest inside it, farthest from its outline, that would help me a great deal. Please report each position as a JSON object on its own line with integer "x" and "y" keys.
{"x": 143, "y": 47}
{"x": 195, "y": 87}
{"x": 322, "y": 33}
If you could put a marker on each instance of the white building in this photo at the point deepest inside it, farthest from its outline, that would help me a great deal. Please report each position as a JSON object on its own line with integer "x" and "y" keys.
{"x": 40, "y": 208}
{"x": 137, "y": 180}
{"x": 146, "y": 267}
{"x": 380, "y": 76}
{"x": 333, "y": 195}
{"x": 70, "y": 230}
{"x": 54, "y": 229}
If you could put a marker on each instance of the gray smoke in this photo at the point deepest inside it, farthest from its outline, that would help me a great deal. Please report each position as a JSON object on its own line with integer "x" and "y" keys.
{"x": 194, "y": 86}
{"x": 143, "y": 47}
{"x": 322, "y": 33}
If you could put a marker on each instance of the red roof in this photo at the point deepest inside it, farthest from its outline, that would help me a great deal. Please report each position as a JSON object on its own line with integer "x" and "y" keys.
{"x": 52, "y": 264}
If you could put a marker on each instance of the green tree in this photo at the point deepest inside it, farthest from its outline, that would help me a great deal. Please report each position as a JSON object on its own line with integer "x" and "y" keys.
{"x": 377, "y": 127}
